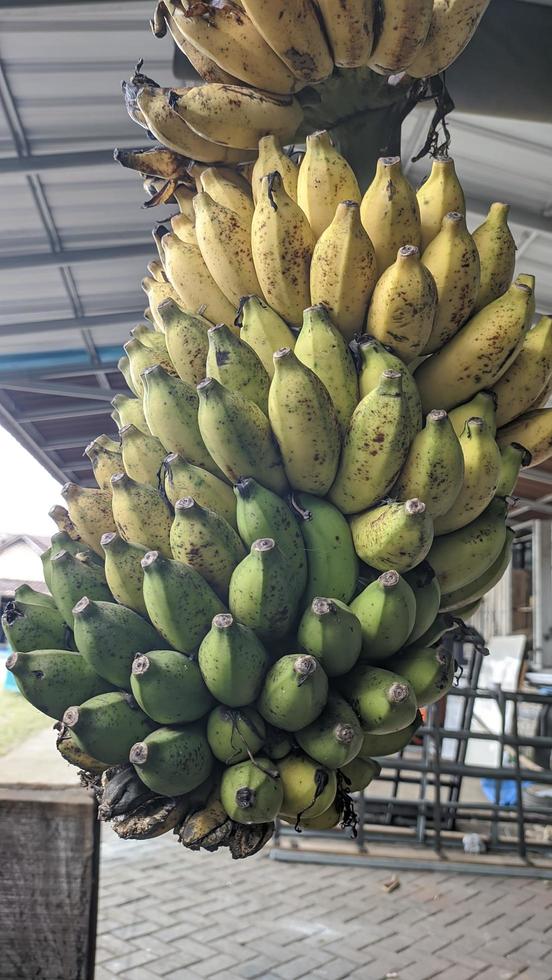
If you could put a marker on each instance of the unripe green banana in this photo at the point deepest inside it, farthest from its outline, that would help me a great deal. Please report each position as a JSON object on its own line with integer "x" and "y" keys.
{"x": 453, "y": 261}
{"x": 251, "y": 791}
{"x": 60, "y": 541}
{"x": 394, "y": 536}
{"x": 384, "y": 701}
{"x": 26, "y": 593}
{"x": 142, "y": 357}
{"x": 238, "y": 436}
{"x": 294, "y": 692}
{"x": 106, "y": 460}
{"x": 309, "y": 788}
{"x": 305, "y": 424}
{"x": 335, "y": 737}
{"x": 434, "y": 467}
{"x": 427, "y": 593}
{"x": 142, "y": 455}
{"x": 71, "y": 579}
{"x": 123, "y": 571}
{"x": 389, "y": 212}
{"x": 236, "y": 365}
{"x": 263, "y": 329}
{"x": 29, "y": 627}
{"x": 180, "y": 604}
{"x": 262, "y": 594}
{"x": 183, "y": 479}
{"x": 374, "y": 359}
{"x": 482, "y": 406}
{"x": 235, "y": 733}
{"x": 359, "y": 773}
{"x": 386, "y": 610}
{"x": 51, "y": 679}
{"x": 325, "y": 179}
{"x": 233, "y": 662}
{"x": 90, "y": 511}
{"x": 45, "y": 559}
{"x": 331, "y": 632}
{"x": 263, "y": 514}
{"x": 481, "y": 471}
{"x": 141, "y": 514}
{"x": 331, "y": 558}
{"x": 187, "y": 341}
{"x": 462, "y": 556}
{"x": 321, "y": 347}
{"x": 477, "y": 587}
{"x": 381, "y": 745}
{"x": 374, "y": 448}
{"x": 497, "y": 255}
{"x": 403, "y": 305}
{"x": 512, "y": 458}
{"x": 130, "y": 412}
{"x": 429, "y": 671}
{"x": 169, "y": 687}
{"x": 109, "y": 636}
{"x": 442, "y": 624}
{"x": 437, "y": 196}
{"x": 205, "y": 541}
{"x": 173, "y": 761}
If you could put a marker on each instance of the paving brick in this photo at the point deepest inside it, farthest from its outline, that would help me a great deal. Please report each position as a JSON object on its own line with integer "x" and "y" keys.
{"x": 214, "y": 964}
{"x": 335, "y": 970}
{"x": 121, "y": 964}
{"x": 255, "y": 968}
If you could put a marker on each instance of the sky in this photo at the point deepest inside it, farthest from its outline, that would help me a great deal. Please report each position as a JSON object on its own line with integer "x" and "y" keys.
{"x": 27, "y": 491}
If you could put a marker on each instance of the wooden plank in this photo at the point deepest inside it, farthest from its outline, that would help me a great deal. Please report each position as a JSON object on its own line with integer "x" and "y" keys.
{"x": 49, "y": 838}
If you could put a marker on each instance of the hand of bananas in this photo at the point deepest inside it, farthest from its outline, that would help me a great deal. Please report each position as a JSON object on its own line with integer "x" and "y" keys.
{"x": 308, "y": 480}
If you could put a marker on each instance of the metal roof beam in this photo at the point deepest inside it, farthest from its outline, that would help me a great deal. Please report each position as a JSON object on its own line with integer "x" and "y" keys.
{"x": 25, "y": 166}
{"x": 70, "y": 323}
{"x": 37, "y": 386}
{"x": 76, "y": 256}
{"x": 53, "y": 414}
{"x": 70, "y": 442}
{"x": 536, "y": 476}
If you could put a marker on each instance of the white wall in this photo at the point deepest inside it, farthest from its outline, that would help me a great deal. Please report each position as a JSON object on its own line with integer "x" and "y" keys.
{"x": 20, "y": 562}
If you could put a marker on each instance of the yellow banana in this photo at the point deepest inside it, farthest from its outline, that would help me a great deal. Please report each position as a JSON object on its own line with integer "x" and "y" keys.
{"x": 403, "y": 305}
{"x": 350, "y": 30}
{"x": 142, "y": 357}
{"x": 185, "y": 199}
{"x": 141, "y": 514}
{"x": 512, "y": 458}
{"x": 530, "y": 372}
{"x": 482, "y": 406}
{"x": 389, "y": 212}
{"x": 142, "y": 455}
{"x": 157, "y": 293}
{"x": 481, "y": 471}
{"x": 187, "y": 341}
{"x": 264, "y": 331}
{"x": 90, "y": 511}
{"x": 224, "y": 240}
{"x": 394, "y": 536}
{"x": 293, "y": 31}
{"x": 403, "y": 30}
{"x": 184, "y": 479}
{"x": 282, "y": 244}
{"x": 497, "y": 255}
{"x": 325, "y": 178}
{"x": 205, "y": 66}
{"x": 321, "y": 348}
{"x": 106, "y": 459}
{"x": 478, "y": 355}
{"x": 271, "y": 157}
{"x": 123, "y": 365}
{"x": 453, "y": 261}
{"x": 462, "y": 556}
{"x": 374, "y": 358}
{"x": 194, "y": 286}
{"x": 171, "y": 129}
{"x": 236, "y": 365}
{"x": 533, "y": 431}
{"x": 235, "y": 116}
{"x": 434, "y": 467}
{"x": 184, "y": 229}
{"x": 453, "y": 24}
{"x": 129, "y": 409}
{"x": 439, "y": 194}
{"x": 228, "y": 194}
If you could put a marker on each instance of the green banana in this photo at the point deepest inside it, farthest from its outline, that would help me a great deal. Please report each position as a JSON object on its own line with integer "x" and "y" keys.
{"x": 233, "y": 662}
{"x": 235, "y": 734}
{"x": 434, "y": 468}
{"x": 60, "y": 541}
{"x": 305, "y": 424}
{"x": 238, "y": 436}
{"x": 141, "y": 514}
{"x": 45, "y": 559}
{"x": 184, "y": 479}
{"x": 481, "y": 472}
{"x": 331, "y": 632}
{"x": 169, "y": 687}
{"x": 332, "y": 561}
{"x": 29, "y": 626}
{"x": 477, "y": 587}
{"x": 381, "y": 745}
{"x": 430, "y": 672}
{"x": 512, "y": 458}
{"x": 374, "y": 359}
{"x": 359, "y": 773}
{"x": 294, "y": 692}
{"x": 109, "y": 636}
{"x": 52, "y": 679}
{"x": 251, "y": 792}
{"x": 71, "y": 579}
{"x": 461, "y": 556}
{"x": 236, "y": 365}
{"x": 123, "y": 365}
{"x": 442, "y": 624}
{"x": 123, "y": 571}
{"x": 263, "y": 329}
{"x": 206, "y": 542}
{"x": 263, "y": 514}
{"x": 394, "y": 536}
{"x": 179, "y": 602}
{"x": 173, "y": 761}
{"x": 321, "y": 347}
{"x": 107, "y": 725}
{"x": 262, "y": 594}
{"x": 375, "y": 446}
{"x": 141, "y": 358}
{"x": 309, "y": 788}
{"x": 26, "y": 593}
{"x": 335, "y": 737}
{"x": 482, "y": 406}
{"x": 187, "y": 342}
{"x": 142, "y": 455}
{"x": 427, "y": 593}
{"x": 386, "y": 610}
{"x": 384, "y": 701}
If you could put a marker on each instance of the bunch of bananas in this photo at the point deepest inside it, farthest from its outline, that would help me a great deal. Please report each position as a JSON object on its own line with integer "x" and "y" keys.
{"x": 327, "y": 415}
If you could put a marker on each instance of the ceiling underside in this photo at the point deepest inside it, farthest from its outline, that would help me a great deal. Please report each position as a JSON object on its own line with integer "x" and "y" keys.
{"x": 74, "y": 239}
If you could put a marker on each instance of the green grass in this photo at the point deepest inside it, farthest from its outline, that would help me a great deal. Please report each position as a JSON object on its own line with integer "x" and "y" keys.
{"x": 19, "y": 720}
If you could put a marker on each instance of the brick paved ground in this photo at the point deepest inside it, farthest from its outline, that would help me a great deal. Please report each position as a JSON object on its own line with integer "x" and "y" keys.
{"x": 166, "y": 912}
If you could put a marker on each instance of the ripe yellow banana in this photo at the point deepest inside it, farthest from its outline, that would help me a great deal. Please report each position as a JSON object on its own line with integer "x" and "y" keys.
{"x": 375, "y": 358}
{"x": 156, "y": 270}
{"x": 224, "y": 240}
{"x": 141, "y": 514}
{"x": 512, "y": 458}
{"x": 271, "y": 157}
{"x": 533, "y": 431}
{"x": 439, "y": 194}
{"x": 170, "y": 128}
{"x": 403, "y": 29}
{"x": 187, "y": 342}
{"x": 236, "y": 365}
{"x": 434, "y": 467}
{"x": 453, "y": 24}
{"x": 462, "y": 556}
{"x": 343, "y": 270}
{"x": 235, "y": 116}
{"x": 453, "y": 261}
{"x": 403, "y": 305}
{"x": 482, "y": 406}
{"x": 394, "y": 536}
{"x": 530, "y": 372}
{"x": 193, "y": 284}
{"x": 157, "y": 293}
{"x": 142, "y": 357}
{"x": 282, "y": 245}
{"x": 478, "y": 355}
{"x": 293, "y": 31}
{"x": 206, "y": 68}
{"x": 349, "y": 28}
{"x": 325, "y": 179}
{"x": 185, "y": 199}
{"x": 497, "y": 255}
{"x": 321, "y": 348}
{"x": 389, "y": 212}
{"x": 90, "y": 511}
{"x": 106, "y": 459}
{"x": 481, "y": 471}
{"x": 142, "y": 455}
{"x": 263, "y": 330}
{"x": 184, "y": 229}
{"x": 228, "y": 193}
